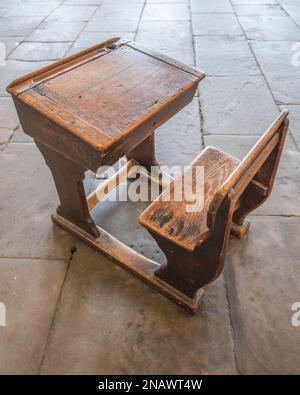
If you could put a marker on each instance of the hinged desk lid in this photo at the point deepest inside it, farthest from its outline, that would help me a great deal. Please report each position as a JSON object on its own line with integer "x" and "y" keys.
{"x": 105, "y": 92}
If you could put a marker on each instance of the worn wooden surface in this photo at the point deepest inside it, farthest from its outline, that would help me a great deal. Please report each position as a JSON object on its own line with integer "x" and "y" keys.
{"x": 232, "y": 192}
{"x": 109, "y": 98}
{"x": 171, "y": 218}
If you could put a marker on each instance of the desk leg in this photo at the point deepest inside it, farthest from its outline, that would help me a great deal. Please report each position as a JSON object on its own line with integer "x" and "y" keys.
{"x": 144, "y": 153}
{"x": 68, "y": 177}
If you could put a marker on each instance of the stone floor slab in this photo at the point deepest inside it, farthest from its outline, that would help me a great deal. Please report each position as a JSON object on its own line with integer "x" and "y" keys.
{"x": 266, "y": 53}
{"x": 166, "y": 12}
{"x": 225, "y": 56}
{"x": 20, "y": 137}
{"x": 87, "y": 39}
{"x": 264, "y": 9}
{"x": 120, "y": 218}
{"x": 170, "y": 38}
{"x": 27, "y": 202}
{"x": 8, "y": 115}
{"x": 28, "y": 51}
{"x": 293, "y": 9}
{"x": 68, "y": 13}
{"x": 111, "y": 11}
{"x": 30, "y": 290}
{"x": 32, "y": 8}
{"x": 125, "y": 20}
{"x": 215, "y": 25}
{"x": 10, "y": 43}
{"x": 258, "y": 27}
{"x": 212, "y": 6}
{"x": 187, "y": 145}
{"x": 283, "y": 200}
{"x": 262, "y": 273}
{"x": 118, "y": 325}
{"x": 165, "y": 1}
{"x": 108, "y": 25}
{"x": 74, "y": 50}
{"x": 255, "y": 2}
{"x": 56, "y": 32}
{"x": 108, "y": 5}
{"x": 84, "y": 2}
{"x": 291, "y": 2}
{"x": 7, "y": 6}
{"x": 286, "y": 90}
{"x": 282, "y": 72}
{"x": 236, "y": 105}
{"x": 5, "y": 135}
{"x": 18, "y": 26}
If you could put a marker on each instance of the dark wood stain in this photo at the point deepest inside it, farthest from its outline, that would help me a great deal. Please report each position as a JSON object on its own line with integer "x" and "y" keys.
{"x": 217, "y": 167}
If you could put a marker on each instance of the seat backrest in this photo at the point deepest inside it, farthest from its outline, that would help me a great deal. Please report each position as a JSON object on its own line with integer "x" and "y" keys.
{"x": 239, "y": 179}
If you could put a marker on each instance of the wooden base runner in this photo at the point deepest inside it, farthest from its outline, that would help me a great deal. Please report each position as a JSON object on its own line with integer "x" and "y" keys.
{"x": 132, "y": 261}
{"x": 240, "y": 231}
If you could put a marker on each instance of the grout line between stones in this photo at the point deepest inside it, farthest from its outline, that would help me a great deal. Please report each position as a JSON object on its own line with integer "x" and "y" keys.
{"x": 139, "y": 21}
{"x": 72, "y": 253}
{"x": 86, "y": 23}
{"x": 261, "y": 71}
{"x": 198, "y": 98}
{"x": 287, "y": 14}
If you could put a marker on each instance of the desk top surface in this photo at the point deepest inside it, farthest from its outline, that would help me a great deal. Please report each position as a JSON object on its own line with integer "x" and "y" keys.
{"x": 107, "y": 91}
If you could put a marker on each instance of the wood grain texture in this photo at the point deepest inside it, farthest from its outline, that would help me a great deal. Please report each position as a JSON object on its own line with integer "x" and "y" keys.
{"x": 171, "y": 220}
{"x": 106, "y": 93}
{"x": 200, "y": 260}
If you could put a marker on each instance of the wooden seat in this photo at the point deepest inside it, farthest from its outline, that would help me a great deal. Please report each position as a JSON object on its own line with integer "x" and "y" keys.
{"x": 195, "y": 243}
{"x": 171, "y": 219}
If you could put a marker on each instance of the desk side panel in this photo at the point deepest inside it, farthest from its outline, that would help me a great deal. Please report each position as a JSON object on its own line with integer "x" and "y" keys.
{"x": 38, "y": 126}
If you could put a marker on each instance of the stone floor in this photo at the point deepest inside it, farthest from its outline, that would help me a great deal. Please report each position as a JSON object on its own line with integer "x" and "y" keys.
{"x": 69, "y": 310}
